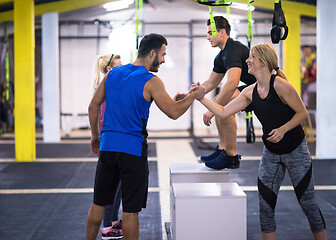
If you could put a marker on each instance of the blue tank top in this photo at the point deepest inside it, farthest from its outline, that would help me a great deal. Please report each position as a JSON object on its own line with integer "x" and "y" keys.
{"x": 127, "y": 111}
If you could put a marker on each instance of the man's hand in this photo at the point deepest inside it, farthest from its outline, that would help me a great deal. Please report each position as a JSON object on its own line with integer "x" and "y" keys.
{"x": 95, "y": 143}
{"x": 198, "y": 89}
{"x": 207, "y": 118}
{"x": 180, "y": 96}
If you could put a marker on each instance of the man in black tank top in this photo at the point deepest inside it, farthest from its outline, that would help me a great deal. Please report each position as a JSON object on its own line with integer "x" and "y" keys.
{"x": 230, "y": 61}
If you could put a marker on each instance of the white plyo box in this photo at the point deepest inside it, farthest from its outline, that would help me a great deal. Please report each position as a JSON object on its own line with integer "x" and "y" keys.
{"x": 196, "y": 173}
{"x": 211, "y": 211}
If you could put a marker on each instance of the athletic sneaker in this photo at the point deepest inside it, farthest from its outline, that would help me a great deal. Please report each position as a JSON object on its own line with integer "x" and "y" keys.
{"x": 112, "y": 233}
{"x": 213, "y": 155}
{"x": 224, "y": 161}
{"x": 118, "y": 224}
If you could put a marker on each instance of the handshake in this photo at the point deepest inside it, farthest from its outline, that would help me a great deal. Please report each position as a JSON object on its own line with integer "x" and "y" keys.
{"x": 196, "y": 88}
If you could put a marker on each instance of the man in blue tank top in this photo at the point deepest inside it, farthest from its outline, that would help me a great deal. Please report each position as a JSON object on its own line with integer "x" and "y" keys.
{"x": 122, "y": 144}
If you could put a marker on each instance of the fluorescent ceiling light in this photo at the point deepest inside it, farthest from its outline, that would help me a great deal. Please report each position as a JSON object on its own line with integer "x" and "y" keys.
{"x": 117, "y": 5}
{"x": 242, "y": 6}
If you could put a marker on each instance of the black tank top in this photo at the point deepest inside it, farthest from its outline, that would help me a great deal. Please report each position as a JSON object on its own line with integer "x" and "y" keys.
{"x": 273, "y": 113}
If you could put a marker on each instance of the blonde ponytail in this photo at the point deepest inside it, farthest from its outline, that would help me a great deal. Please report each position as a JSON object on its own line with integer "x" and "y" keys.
{"x": 96, "y": 72}
{"x": 100, "y": 67}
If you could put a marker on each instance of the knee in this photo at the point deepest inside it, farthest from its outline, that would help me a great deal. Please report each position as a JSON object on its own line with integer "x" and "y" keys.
{"x": 128, "y": 215}
{"x": 228, "y": 121}
{"x": 96, "y": 214}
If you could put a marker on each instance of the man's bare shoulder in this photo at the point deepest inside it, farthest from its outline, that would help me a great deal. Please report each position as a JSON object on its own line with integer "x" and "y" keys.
{"x": 154, "y": 82}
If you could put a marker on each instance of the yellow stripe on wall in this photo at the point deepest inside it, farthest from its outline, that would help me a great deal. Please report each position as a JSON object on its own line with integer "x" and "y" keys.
{"x": 291, "y": 52}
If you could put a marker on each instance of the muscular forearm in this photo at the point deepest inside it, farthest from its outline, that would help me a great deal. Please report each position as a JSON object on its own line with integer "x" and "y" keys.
{"x": 93, "y": 119}
{"x": 182, "y": 106}
{"x": 225, "y": 95}
{"x": 209, "y": 86}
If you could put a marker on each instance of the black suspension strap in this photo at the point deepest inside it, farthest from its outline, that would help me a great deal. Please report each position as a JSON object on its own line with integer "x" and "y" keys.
{"x": 279, "y": 29}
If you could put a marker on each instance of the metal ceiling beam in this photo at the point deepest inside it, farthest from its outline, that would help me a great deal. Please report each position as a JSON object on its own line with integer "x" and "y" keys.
{"x": 59, "y": 6}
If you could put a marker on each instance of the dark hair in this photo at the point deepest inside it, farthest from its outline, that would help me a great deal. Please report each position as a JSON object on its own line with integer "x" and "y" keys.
{"x": 150, "y": 42}
{"x": 221, "y": 23}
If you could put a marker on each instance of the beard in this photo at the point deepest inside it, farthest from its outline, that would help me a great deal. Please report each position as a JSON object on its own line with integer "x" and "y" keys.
{"x": 155, "y": 65}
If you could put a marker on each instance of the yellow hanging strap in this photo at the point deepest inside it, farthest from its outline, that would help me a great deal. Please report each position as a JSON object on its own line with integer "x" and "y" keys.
{"x": 250, "y": 23}
{"x": 138, "y": 10}
{"x": 138, "y": 24}
{"x": 250, "y": 135}
{"x": 212, "y": 22}
{"x": 7, "y": 63}
{"x": 228, "y": 13}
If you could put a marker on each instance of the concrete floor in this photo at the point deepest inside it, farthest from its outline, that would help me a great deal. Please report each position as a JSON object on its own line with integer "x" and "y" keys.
{"x": 49, "y": 198}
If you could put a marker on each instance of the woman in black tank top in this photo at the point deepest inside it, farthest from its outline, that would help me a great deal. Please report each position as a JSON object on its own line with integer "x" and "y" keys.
{"x": 281, "y": 111}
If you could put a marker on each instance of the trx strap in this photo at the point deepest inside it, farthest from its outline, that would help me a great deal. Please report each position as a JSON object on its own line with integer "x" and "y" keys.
{"x": 212, "y": 22}
{"x": 279, "y": 29}
{"x": 7, "y": 63}
{"x": 228, "y": 13}
{"x": 138, "y": 26}
{"x": 249, "y": 34}
{"x": 138, "y": 11}
{"x": 250, "y": 135}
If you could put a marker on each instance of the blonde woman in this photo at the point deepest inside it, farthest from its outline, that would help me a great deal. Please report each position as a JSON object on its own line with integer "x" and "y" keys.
{"x": 281, "y": 111}
{"x": 102, "y": 66}
{"x": 112, "y": 224}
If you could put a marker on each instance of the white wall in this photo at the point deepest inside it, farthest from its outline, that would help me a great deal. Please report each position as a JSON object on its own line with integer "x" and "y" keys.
{"x": 326, "y": 49}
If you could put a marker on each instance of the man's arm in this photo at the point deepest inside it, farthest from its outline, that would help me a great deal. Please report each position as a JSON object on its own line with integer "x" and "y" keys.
{"x": 213, "y": 81}
{"x": 210, "y": 84}
{"x": 93, "y": 110}
{"x": 155, "y": 89}
{"x": 233, "y": 78}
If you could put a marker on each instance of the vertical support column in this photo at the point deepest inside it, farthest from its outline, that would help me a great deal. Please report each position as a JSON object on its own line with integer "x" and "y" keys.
{"x": 191, "y": 80}
{"x": 291, "y": 50}
{"x": 24, "y": 77}
{"x": 50, "y": 78}
{"x": 325, "y": 93}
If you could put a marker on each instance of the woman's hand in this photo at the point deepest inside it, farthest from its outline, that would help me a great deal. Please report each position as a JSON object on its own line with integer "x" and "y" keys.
{"x": 276, "y": 135}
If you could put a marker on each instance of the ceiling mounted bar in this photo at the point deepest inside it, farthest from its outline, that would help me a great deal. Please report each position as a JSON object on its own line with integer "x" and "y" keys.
{"x": 213, "y": 3}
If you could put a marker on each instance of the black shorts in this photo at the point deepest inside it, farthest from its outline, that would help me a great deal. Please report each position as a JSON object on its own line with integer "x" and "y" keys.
{"x": 131, "y": 170}
{"x": 249, "y": 107}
